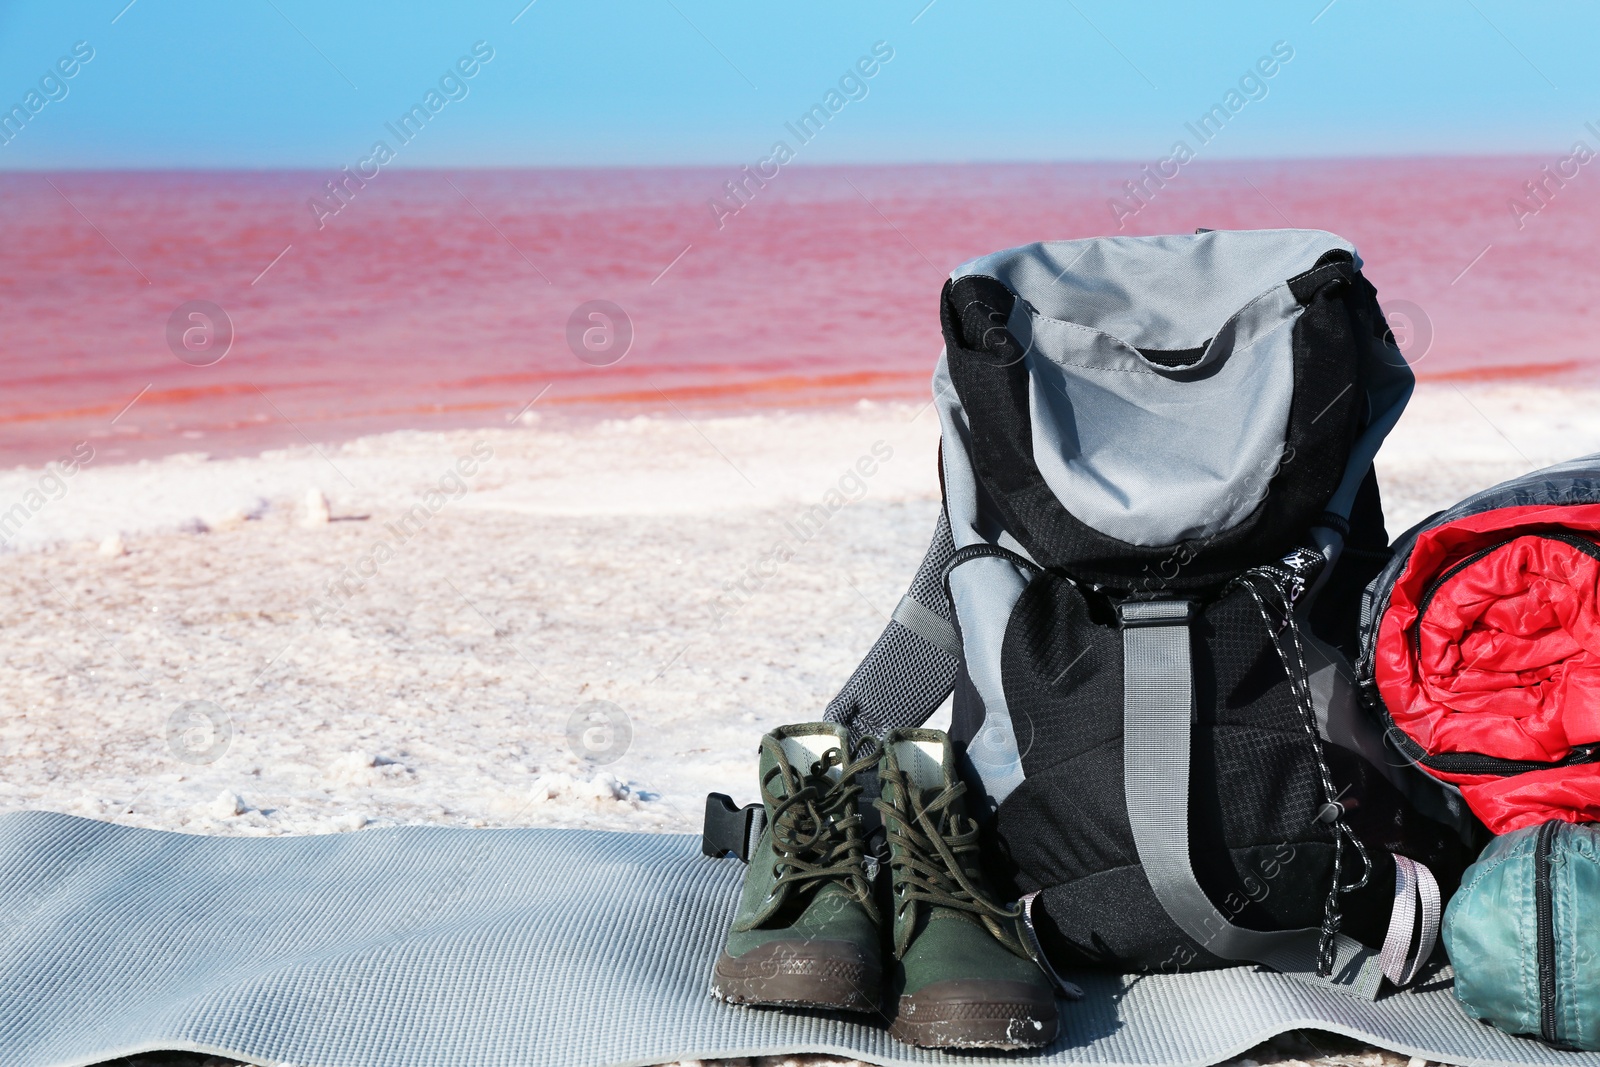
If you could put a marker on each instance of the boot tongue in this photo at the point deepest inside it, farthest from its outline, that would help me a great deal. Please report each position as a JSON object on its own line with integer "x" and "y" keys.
{"x": 922, "y": 798}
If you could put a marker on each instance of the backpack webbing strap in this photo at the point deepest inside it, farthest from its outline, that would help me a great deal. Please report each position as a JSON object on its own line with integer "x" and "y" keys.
{"x": 1416, "y": 897}
{"x": 1158, "y": 713}
{"x": 928, "y": 625}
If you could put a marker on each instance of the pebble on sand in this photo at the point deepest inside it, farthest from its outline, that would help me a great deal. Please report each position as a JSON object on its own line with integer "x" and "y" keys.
{"x": 603, "y": 788}
{"x": 317, "y": 512}
{"x": 229, "y": 520}
{"x": 228, "y": 804}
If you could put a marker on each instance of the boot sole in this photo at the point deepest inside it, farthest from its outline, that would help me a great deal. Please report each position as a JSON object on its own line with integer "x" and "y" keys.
{"x": 799, "y": 974}
{"x": 964, "y": 1013}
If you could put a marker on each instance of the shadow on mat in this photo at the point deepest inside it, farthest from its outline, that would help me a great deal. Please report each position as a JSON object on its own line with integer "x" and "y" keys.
{"x": 171, "y": 1059}
{"x": 1082, "y": 1021}
{"x": 1097, "y": 1015}
{"x": 1434, "y": 976}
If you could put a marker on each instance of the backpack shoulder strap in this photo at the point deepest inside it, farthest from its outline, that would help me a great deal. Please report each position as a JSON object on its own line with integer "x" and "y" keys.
{"x": 911, "y": 668}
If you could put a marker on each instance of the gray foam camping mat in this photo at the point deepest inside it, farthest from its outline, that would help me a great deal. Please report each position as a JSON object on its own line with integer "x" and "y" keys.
{"x": 434, "y": 947}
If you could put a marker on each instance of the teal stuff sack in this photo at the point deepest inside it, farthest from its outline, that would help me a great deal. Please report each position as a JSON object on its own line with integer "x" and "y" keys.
{"x": 1523, "y": 933}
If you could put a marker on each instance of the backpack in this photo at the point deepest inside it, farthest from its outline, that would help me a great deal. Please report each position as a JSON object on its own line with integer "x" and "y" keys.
{"x": 1143, "y": 593}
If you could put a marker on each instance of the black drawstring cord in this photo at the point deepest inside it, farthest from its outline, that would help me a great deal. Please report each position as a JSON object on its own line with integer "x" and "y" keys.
{"x": 1281, "y": 582}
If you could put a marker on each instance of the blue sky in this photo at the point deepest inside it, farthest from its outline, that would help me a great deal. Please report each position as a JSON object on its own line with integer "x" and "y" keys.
{"x": 307, "y": 83}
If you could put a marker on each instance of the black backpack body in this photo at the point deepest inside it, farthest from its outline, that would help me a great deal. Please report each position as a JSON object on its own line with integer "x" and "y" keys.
{"x": 1160, "y": 513}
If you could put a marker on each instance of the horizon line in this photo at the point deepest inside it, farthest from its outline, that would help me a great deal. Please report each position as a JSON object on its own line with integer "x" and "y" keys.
{"x": 1371, "y": 157}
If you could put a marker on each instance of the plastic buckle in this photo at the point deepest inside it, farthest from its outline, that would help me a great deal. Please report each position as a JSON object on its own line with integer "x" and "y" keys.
{"x": 728, "y": 827}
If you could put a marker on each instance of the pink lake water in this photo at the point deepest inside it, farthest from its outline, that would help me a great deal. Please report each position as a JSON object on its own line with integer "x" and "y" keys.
{"x": 437, "y": 299}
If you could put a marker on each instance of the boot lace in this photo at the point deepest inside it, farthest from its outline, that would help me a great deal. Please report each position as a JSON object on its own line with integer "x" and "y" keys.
{"x": 930, "y": 847}
{"x": 816, "y": 825}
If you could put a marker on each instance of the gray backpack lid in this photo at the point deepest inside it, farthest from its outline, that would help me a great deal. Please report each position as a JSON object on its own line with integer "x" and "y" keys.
{"x": 1155, "y": 404}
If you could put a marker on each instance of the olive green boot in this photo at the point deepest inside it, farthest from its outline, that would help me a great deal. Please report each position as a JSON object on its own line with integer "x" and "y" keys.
{"x": 962, "y": 975}
{"x": 806, "y": 933}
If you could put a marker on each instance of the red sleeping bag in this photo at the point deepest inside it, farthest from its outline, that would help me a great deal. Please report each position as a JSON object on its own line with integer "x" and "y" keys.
{"x": 1488, "y": 660}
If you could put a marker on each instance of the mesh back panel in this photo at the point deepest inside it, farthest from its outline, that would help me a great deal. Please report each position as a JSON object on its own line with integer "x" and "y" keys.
{"x": 903, "y": 678}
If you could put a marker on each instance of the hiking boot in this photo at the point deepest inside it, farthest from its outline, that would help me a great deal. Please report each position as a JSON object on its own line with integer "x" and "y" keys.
{"x": 962, "y": 974}
{"x": 806, "y": 933}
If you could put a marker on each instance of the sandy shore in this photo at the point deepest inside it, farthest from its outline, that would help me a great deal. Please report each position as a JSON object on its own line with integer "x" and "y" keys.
{"x": 527, "y": 625}
{"x": 422, "y": 656}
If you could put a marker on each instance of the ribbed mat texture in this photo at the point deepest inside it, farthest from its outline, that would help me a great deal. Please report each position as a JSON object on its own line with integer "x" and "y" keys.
{"x": 433, "y": 947}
